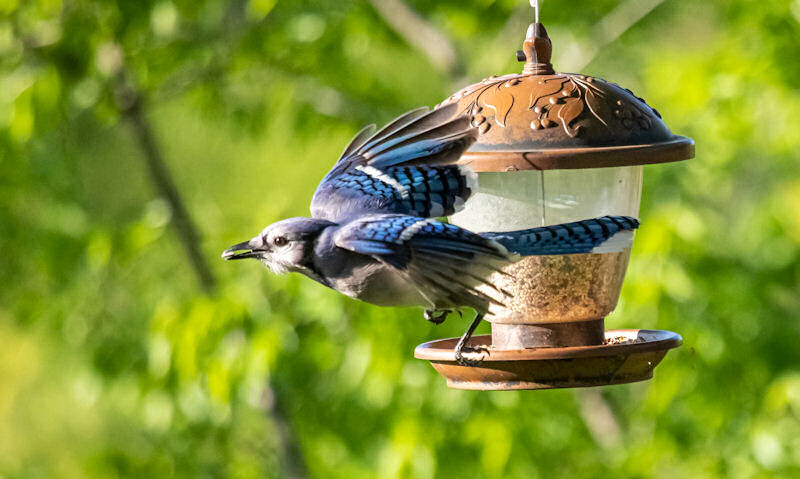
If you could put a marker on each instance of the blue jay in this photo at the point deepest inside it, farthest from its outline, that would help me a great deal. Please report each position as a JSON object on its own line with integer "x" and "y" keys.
{"x": 373, "y": 233}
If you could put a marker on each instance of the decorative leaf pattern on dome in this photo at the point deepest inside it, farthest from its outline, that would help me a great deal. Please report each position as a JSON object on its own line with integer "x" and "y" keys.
{"x": 598, "y": 106}
{"x": 564, "y": 98}
{"x": 502, "y": 100}
{"x": 547, "y": 86}
{"x": 569, "y": 111}
{"x": 576, "y": 94}
{"x": 556, "y": 100}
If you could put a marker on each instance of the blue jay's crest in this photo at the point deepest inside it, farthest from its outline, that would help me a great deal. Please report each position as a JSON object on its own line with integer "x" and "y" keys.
{"x": 296, "y": 228}
{"x": 401, "y": 169}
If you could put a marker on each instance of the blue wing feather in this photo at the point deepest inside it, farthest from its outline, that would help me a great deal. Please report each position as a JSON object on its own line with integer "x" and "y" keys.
{"x": 427, "y": 191}
{"x": 568, "y": 238}
{"x": 401, "y": 176}
{"x": 394, "y": 127}
{"x": 358, "y": 141}
{"x": 443, "y": 261}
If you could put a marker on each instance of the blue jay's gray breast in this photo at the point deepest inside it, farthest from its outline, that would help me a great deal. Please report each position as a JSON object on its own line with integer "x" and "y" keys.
{"x": 363, "y": 277}
{"x": 379, "y": 284}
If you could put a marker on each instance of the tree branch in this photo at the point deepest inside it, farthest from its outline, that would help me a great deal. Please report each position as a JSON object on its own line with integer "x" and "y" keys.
{"x": 608, "y": 30}
{"x": 132, "y": 110}
{"x": 419, "y": 33}
{"x": 598, "y": 417}
{"x": 294, "y": 466}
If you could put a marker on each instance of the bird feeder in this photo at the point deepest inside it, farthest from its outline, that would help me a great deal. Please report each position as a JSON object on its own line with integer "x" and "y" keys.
{"x": 554, "y": 148}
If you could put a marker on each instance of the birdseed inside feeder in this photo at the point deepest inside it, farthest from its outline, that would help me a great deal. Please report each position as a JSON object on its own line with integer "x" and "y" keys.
{"x": 553, "y": 148}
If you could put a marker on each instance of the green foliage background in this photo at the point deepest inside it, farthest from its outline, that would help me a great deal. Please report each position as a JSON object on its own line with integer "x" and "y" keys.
{"x": 114, "y": 362}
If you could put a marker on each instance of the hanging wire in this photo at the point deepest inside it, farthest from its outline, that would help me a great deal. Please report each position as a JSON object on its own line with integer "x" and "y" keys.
{"x": 535, "y": 5}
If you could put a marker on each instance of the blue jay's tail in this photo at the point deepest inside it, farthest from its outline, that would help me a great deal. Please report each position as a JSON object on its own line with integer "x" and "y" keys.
{"x": 599, "y": 235}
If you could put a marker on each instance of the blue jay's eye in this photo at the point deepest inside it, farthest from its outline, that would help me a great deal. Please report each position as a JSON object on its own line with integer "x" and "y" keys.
{"x": 280, "y": 241}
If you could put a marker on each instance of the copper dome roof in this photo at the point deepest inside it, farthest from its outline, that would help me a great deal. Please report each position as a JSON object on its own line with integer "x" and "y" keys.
{"x": 540, "y": 119}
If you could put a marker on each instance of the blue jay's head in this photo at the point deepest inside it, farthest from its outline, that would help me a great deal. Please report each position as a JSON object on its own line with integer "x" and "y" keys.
{"x": 284, "y": 246}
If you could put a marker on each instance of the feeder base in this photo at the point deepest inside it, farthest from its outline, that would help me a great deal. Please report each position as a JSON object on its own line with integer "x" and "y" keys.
{"x": 552, "y": 335}
{"x": 628, "y": 355}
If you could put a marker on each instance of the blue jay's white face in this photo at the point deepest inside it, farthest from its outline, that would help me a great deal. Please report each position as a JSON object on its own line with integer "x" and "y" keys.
{"x": 277, "y": 247}
{"x": 284, "y": 246}
{"x": 283, "y": 249}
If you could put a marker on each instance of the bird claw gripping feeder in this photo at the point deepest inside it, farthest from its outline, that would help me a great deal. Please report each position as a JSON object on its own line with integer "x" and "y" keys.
{"x": 553, "y": 148}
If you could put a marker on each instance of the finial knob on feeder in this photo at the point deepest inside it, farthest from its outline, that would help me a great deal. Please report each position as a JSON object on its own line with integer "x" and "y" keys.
{"x": 537, "y": 49}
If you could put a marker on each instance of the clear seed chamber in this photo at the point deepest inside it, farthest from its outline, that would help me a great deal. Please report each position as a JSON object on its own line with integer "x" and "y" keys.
{"x": 562, "y": 288}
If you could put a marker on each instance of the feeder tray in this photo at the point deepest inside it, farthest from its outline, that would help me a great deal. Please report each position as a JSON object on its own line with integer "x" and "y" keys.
{"x": 550, "y": 332}
{"x": 627, "y": 356}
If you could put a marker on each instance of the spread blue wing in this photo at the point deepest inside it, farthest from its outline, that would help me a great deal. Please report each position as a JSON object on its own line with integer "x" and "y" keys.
{"x": 406, "y": 167}
{"x": 447, "y": 264}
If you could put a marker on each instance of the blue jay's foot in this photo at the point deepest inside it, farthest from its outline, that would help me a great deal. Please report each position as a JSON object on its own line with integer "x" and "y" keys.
{"x": 471, "y": 356}
{"x": 437, "y": 316}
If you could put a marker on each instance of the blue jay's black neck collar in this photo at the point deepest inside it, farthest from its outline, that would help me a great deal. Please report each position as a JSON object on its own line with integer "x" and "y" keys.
{"x": 312, "y": 270}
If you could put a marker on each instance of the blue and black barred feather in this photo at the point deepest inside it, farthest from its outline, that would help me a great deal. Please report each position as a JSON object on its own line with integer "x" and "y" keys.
{"x": 568, "y": 238}
{"x": 401, "y": 231}
{"x": 394, "y": 170}
{"x": 427, "y": 191}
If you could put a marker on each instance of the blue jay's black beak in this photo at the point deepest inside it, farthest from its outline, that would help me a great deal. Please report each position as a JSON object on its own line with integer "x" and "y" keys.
{"x": 241, "y": 251}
